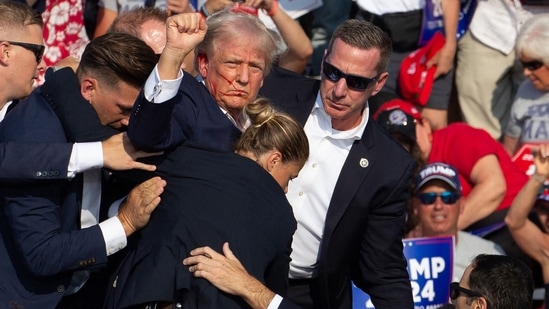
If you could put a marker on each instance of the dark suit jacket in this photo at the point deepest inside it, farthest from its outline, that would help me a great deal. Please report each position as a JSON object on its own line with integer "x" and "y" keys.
{"x": 42, "y": 244}
{"x": 192, "y": 115}
{"x": 81, "y": 124}
{"x": 364, "y": 226}
{"x": 26, "y": 162}
{"x": 212, "y": 197}
{"x": 365, "y": 220}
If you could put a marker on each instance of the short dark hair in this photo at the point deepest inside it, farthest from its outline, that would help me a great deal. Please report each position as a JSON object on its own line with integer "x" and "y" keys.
{"x": 505, "y": 282}
{"x": 364, "y": 35}
{"x": 115, "y": 57}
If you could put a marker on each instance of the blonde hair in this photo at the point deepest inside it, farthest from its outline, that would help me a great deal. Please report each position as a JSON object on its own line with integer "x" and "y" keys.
{"x": 273, "y": 130}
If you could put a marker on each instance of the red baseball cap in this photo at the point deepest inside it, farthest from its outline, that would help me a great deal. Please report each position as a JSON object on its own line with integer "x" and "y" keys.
{"x": 415, "y": 81}
{"x": 398, "y": 116}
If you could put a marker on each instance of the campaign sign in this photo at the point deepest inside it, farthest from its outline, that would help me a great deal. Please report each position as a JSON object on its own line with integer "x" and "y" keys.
{"x": 430, "y": 266}
{"x": 433, "y": 20}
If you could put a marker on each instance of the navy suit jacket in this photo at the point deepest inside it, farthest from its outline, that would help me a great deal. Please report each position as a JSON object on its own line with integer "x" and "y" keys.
{"x": 212, "y": 197}
{"x": 363, "y": 231}
{"x": 25, "y": 162}
{"x": 192, "y": 115}
{"x": 42, "y": 244}
{"x": 364, "y": 226}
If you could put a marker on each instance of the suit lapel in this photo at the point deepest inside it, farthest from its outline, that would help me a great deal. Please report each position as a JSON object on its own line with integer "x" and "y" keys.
{"x": 355, "y": 169}
{"x": 11, "y": 106}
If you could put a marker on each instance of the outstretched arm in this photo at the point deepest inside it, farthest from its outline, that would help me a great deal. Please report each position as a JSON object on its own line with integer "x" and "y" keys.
{"x": 299, "y": 45}
{"x": 528, "y": 236}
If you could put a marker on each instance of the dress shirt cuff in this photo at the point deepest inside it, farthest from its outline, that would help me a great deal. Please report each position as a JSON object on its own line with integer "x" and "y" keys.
{"x": 85, "y": 156}
{"x": 159, "y": 91}
{"x": 113, "y": 235}
{"x": 275, "y": 302}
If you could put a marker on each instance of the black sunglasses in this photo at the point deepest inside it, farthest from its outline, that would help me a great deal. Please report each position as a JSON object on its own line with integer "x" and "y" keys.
{"x": 532, "y": 65}
{"x": 353, "y": 81}
{"x": 456, "y": 290}
{"x": 38, "y": 50}
{"x": 447, "y": 197}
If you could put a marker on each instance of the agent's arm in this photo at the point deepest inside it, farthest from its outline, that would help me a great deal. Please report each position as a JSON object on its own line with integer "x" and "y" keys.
{"x": 226, "y": 273}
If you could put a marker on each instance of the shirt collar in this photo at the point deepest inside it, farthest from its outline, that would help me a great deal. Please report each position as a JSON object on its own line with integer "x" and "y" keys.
{"x": 326, "y": 122}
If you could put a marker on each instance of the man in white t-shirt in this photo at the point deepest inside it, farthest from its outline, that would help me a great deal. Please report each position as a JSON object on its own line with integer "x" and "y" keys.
{"x": 437, "y": 204}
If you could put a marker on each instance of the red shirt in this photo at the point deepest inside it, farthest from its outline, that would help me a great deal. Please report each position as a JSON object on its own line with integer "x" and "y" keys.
{"x": 461, "y": 146}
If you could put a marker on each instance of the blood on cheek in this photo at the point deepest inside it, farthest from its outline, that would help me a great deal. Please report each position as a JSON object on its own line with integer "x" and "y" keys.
{"x": 230, "y": 82}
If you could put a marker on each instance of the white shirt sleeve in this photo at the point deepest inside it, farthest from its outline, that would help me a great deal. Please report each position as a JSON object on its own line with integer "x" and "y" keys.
{"x": 113, "y": 235}
{"x": 85, "y": 156}
{"x": 275, "y": 302}
{"x": 159, "y": 91}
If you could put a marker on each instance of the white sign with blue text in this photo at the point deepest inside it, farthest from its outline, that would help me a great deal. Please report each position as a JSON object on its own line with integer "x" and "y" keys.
{"x": 430, "y": 265}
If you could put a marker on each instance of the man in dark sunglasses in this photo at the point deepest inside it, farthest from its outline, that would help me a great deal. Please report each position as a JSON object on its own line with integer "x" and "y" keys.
{"x": 355, "y": 203}
{"x": 490, "y": 179}
{"x": 493, "y": 282}
{"x": 437, "y": 205}
{"x": 21, "y": 51}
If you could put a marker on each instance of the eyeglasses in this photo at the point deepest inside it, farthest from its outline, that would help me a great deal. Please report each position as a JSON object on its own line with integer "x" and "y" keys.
{"x": 532, "y": 65}
{"x": 353, "y": 81}
{"x": 456, "y": 290}
{"x": 447, "y": 197}
{"x": 38, "y": 50}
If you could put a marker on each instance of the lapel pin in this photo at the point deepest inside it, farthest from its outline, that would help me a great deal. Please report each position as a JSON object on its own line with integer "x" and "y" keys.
{"x": 364, "y": 162}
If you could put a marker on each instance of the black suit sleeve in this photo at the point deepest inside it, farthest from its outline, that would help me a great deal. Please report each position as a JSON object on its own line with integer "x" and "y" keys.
{"x": 286, "y": 304}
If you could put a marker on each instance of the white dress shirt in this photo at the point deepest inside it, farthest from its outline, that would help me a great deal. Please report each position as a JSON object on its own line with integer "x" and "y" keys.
{"x": 311, "y": 192}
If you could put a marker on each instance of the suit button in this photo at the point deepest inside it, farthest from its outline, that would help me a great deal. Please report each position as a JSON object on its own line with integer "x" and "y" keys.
{"x": 38, "y": 173}
{"x": 60, "y": 288}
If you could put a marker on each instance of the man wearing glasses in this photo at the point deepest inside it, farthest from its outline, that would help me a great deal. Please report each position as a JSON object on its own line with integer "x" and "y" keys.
{"x": 21, "y": 51}
{"x": 494, "y": 282}
{"x": 489, "y": 179}
{"x": 350, "y": 198}
{"x": 437, "y": 205}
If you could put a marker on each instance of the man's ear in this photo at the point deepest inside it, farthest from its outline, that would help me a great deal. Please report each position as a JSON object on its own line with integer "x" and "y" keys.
{"x": 415, "y": 205}
{"x": 480, "y": 303}
{"x": 4, "y": 53}
{"x": 380, "y": 82}
{"x": 202, "y": 60}
{"x": 87, "y": 87}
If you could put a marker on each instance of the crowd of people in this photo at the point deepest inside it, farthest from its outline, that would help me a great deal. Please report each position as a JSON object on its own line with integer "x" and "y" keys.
{"x": 184, "y": 159}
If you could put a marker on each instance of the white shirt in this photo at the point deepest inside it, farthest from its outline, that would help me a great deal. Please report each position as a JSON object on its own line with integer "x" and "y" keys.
{"x": 378, "y": 7}
{"x": 467, "y": 247}
{"x": 311, "y": 192}
{"x": 112, "y": 229}
{"x": 4, "y": 110}
{"x": 496, "y": 23}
